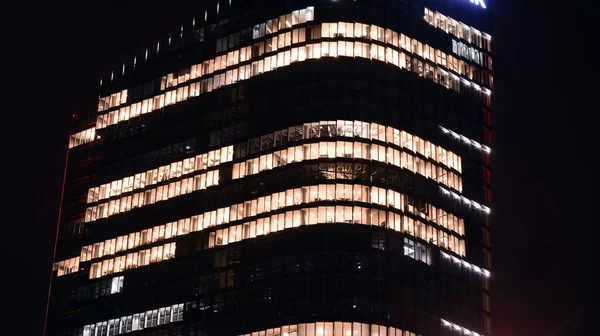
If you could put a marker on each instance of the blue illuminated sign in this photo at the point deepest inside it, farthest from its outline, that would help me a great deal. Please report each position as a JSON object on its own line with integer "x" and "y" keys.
{"x": 480, "y": 3}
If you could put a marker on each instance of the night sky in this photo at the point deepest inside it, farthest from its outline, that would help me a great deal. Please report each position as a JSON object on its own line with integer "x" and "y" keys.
{"x": 544, "y": 182}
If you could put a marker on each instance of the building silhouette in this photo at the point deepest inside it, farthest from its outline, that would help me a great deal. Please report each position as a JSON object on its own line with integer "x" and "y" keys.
{"x": 293, "y": 168}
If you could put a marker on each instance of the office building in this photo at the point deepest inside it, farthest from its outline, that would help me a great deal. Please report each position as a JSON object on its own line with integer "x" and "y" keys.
{"x": 286, "y": 168}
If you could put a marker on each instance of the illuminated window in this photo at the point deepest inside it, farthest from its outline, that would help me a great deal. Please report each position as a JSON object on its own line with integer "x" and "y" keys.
{"x": 311, "y": 51}
{"x": 67, "y": 266}
{"x": 135, "y": 322}
{"x": 332, "y": 329}
{"x": 82, "y": 137}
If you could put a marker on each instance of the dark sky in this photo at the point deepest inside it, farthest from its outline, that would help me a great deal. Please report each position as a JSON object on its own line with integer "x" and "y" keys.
{"x": 544, "y": 183}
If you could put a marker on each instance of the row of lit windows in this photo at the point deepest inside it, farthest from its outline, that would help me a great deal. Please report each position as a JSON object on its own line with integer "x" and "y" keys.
{"x": 466, "y": 140}
{"x": 464, "y": 50}
{"x": 458, "y": 329}
{"x": 400, "y": 41}
{"x": 283, "y": 22}
{"x": 346, "y": 149}
{"x": 151, "y": 196}
{"x": 126, "y": 324}
{"x": 113, "y": 100}
{"x": 232, "y": 41}
{"x": 132, "y": 260}
{"x": 275, "y": 201}
{"x": 67, "y": 266}
{"x": 323, "y": 129}
{"x": 310, "y": 51}
{"x": 269, "y": 161}
{"x": 359, "y": 129}
{"x": 340, "y": 29}
{"x": 136, "y": 239}
{"x": 259, "y": 30}
{"x": 279, "y": 158}
{"x": 467, "y": 265}
{"x": 220, "y": 63}
{"x": 466, "y": 201}
{"x": 332, "y": 192}
{"x": 449, "y": 25}
{"x": 458, "y": 29}
{"x": 82, "y": 137}
{"x": 232, "y": 58}
{"x": 332, "y": 329}
{"x": 332, "y": 215}
{"x": 241, "y": 55}
{"x": 195, "y": 71}
{"x": 161, "y": 174}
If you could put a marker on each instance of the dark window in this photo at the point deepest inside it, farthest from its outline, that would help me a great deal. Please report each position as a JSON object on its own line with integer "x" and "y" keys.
{"x": 486, "y": 158}
{"x": 487, "y": 176}
{"x": 487, "y": 195}
{"x": 378, "y": 240}
{"x": 487, "y": 136}
{"x": 487, "y": 117}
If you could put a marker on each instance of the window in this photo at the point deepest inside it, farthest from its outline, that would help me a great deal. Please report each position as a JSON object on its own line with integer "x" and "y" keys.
{"x": 487, "y": 193}
{"x": 487, "y": 258}
{"x": 487, "y": 324}
{"x": 487, "y": 117}
{"x": 332, "y": 329}
{"x": 487, "y": 134}
{"x": 487, "y": 240}
{"x": 135, "y": 322}
{"x": 378, "y": 240}
{"x": 67, "y": 266}
{"x": 315, "y": 50}
{"x": 487, "y": 305}
{"x": 133, "y": 260}
{"x": 487, "y": 176}
{"x": 116, "y": 285}
{"x": 360, "y": 150}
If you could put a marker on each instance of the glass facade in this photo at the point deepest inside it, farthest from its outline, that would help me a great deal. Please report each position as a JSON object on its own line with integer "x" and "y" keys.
{"x": 314, "y": 168}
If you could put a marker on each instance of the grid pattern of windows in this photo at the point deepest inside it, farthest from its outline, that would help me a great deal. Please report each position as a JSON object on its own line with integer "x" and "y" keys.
{"x": 67, "y": 266}
{"x": 400, "y": 41}
{"x": 271, "y": 26}
{"x": 332, "y": 329}
{"x": 458, "y": 29}
{"x": 323, "y": 129}
{"x": 373, "y": 195}
{"x": 336, "y": 214}
{"x": 283, "y": 22}
{"x": 100, "y": 288}
{"x": 431, "y": 63}
{"x": 134, "y": 322}
{"x": 347, "y": 149}
{"x": 273, "y": 202}
{"x": 113, "y": 100}
{"x": 417, "y": 251}
{"x": 132, "y": 260}
{"x": 135, "y": 239}
{"x": 351, "y": 129}
{"x": 161, "y": 174}
{"x": 464, "y": 50}
{"x": 152, "y": 195}
{"x": 82, "y": 137}
{"x": 412, "y": 224}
